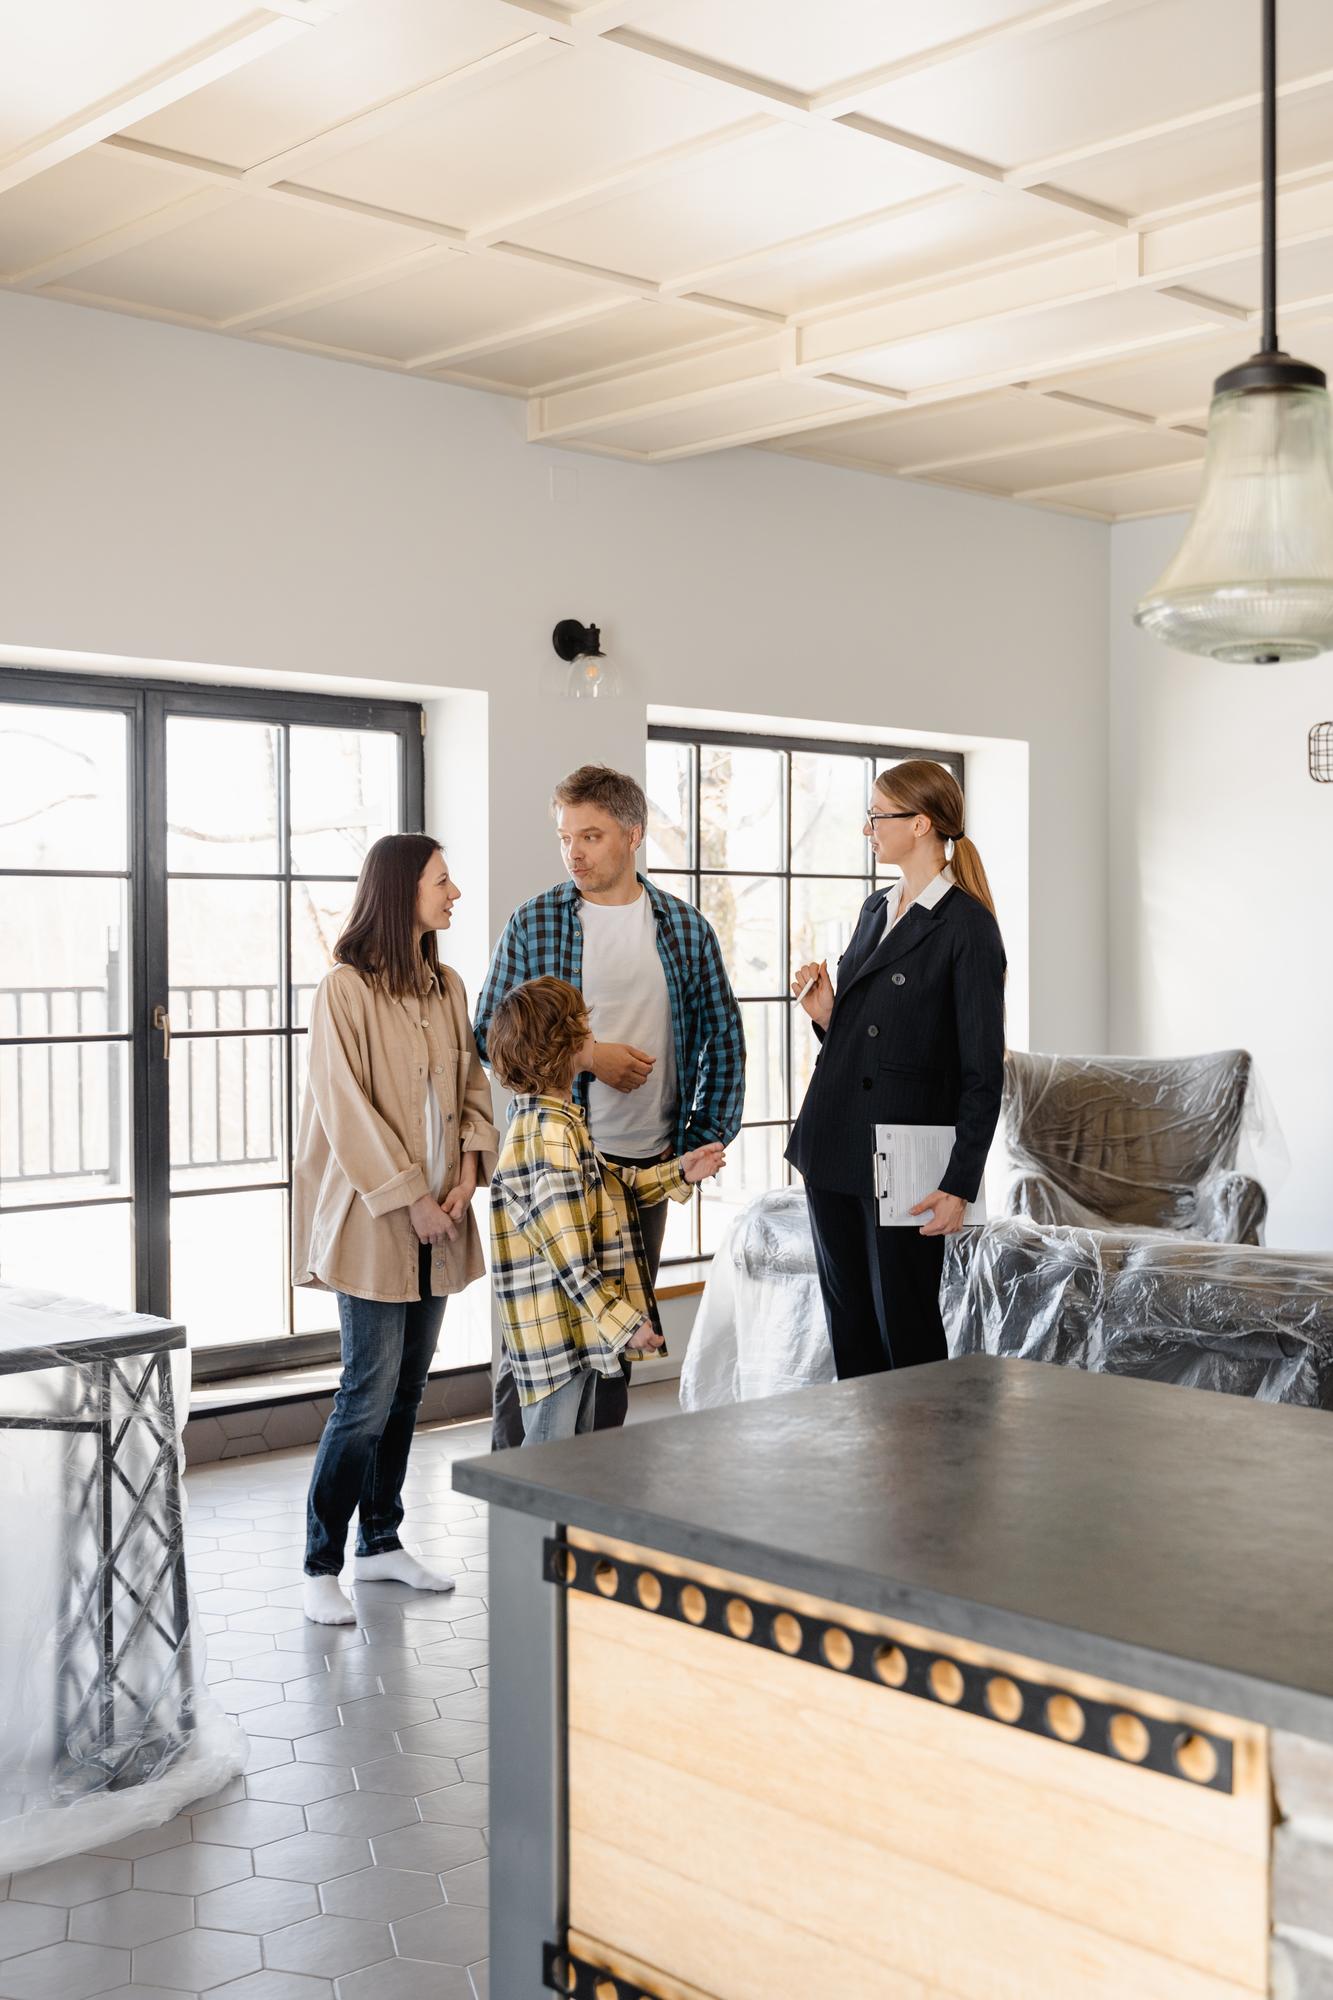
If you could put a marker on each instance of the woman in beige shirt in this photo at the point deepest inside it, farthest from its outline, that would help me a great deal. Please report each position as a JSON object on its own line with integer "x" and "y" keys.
{"x": 395, "y": 1136}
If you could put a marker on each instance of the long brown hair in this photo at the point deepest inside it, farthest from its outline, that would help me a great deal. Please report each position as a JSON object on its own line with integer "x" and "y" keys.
{"x": 378, "y": 938}
{"x": 922, "y": 786}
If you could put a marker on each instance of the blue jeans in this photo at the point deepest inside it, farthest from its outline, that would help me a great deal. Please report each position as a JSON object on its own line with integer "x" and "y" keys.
{"x": 564, "y": 1413}
{"x": 362, "y": 1457}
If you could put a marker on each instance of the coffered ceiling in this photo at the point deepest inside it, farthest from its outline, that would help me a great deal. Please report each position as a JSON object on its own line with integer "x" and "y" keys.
{"x": 982, "y": 243}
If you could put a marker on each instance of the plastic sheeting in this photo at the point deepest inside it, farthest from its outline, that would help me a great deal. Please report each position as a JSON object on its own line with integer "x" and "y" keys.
{"x": 760, "y": 1328}
{"x": 106, "y": 1726}
{"x": 1184, "y": 1144}
{"x": 1234, "y": 1317}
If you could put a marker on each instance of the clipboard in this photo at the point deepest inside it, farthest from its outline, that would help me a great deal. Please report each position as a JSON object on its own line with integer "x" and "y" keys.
{"x": 909, "y": 1161}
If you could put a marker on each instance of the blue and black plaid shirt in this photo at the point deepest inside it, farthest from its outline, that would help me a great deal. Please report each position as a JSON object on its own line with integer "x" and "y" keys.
{"x": 544, "y": 940}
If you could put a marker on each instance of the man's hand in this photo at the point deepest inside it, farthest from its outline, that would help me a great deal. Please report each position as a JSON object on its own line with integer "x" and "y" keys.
{"x": 703, "y": 1162}
{"x": 645, "y": 1340}
{"x": 432, "y": 1223}
{"x": 947, "y": 1219}
{"x": 620, "y": 1064}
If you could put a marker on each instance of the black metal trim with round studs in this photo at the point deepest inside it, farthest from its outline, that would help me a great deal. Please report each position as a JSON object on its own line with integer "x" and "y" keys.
{"x": 563, "y": 1971}
{"x": 1108, "y": 1729}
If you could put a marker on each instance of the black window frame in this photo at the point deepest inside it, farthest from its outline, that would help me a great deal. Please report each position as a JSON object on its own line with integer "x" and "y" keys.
{"x": 149, "y": 703}
{"x": 697, "y": 737}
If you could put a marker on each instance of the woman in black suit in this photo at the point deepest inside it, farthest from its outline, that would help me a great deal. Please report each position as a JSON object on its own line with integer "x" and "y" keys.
{"x": 913, "y": 1035}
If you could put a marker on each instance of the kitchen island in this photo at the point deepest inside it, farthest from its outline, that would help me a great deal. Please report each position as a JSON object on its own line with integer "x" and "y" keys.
{"x": 982, "y": 1681}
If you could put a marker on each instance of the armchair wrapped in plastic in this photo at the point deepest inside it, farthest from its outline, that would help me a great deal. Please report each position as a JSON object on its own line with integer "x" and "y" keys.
{"x": 1245, "y": 1320}
{"x": 760, "y": 1328}
{"x": 106, "y": 1726}
{"x": 1114, "y": 1142}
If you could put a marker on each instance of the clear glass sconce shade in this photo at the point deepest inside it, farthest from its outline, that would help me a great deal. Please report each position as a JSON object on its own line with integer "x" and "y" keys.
{"x": 592, "y": 677}
{"x": 1253, "y": 578}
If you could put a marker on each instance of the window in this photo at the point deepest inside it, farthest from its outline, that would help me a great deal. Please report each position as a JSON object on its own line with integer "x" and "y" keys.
{"x": 765, "y": 836}
{"x": 175, "y": 865}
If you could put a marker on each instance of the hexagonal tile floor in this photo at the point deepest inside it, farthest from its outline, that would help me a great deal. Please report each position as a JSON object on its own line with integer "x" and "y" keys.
{"x": 350, "y": 1862}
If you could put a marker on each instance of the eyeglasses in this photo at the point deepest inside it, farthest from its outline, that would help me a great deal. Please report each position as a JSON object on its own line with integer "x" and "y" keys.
{"x": 873, "y": 818}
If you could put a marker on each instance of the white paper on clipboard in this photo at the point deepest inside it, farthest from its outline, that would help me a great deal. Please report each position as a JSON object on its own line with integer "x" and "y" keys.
{"x": 909, "y": 1163}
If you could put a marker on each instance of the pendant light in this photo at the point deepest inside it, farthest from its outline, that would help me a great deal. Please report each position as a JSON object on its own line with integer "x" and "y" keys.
{"x": 1253, "y": 578}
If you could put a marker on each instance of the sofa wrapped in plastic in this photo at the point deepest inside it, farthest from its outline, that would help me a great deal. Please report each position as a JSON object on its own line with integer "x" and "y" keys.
{"x": 1120, "y": 1142}
{"x": 1235, "y": 1317}
{"x": 760, "y": 1328}
{"x": 106, "y": 1726}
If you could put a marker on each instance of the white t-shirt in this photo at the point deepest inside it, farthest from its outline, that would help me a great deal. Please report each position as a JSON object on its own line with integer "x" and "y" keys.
{"x": 625, "y": 992}
{"x": 436, "y": 1156}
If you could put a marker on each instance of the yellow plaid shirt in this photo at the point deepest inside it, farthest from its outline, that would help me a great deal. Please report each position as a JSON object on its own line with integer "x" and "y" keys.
{"x": 565, "y": 1252}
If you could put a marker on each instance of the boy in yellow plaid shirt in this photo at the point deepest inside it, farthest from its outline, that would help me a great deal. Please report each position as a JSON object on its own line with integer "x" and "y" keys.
{"x": 566, "y": 1260}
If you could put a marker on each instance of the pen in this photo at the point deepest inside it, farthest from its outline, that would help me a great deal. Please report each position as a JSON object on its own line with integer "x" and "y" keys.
{"x": 808, "y": 984}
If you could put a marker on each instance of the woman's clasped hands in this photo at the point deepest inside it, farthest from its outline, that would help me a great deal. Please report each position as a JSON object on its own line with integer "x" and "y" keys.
{"x": 440, "y": 1221}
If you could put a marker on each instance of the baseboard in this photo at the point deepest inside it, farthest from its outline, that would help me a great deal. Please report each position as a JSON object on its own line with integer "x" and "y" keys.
{"x": 241, "y": 1420}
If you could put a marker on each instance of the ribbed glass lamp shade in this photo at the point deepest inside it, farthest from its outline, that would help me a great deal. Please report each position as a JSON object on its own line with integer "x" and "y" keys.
{"x": 1253, "y": 578}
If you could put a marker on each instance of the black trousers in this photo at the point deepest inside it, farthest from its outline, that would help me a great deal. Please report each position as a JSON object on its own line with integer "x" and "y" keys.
{"x": 612, "y": 1396}
{"x": 881, "y": 1287}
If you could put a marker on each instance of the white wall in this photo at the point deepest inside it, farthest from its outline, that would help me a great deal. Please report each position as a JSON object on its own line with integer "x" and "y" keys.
{"x": 1220, "y": 913}
{"x": 176, "y": 497}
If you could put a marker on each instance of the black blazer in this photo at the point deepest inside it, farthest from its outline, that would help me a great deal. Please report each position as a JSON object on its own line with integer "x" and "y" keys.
{"x": 916, "y": 1038}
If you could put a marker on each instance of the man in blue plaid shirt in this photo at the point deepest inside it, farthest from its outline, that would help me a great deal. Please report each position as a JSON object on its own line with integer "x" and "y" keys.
{"x": 663, "y": 1070}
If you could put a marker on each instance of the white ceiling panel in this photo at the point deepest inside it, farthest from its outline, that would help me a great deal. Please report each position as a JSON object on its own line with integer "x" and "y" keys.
{"x": 1304, "y": 274}
{"x": 909, "y": 248}
{"x": 816, "y": 43}
{"x": 1174, "y": 382}
{"x": 61, "y": 57}
{"x": 456, "y": 301}
{"x": 77, "y": 202}
{"x": 1104, "y": 456}
{"x": 1025, "y": 343}
{"x": 1165, "y": 491}
{"x": 791, "y": 180}
{"x": 529, "y": 139}
{"x": 241, "y": 258}
{"x": 738, "y": 415}
{"x": 942, "y": 432}
{"x": 653, "y": 214}
{"x": 640, "y": 331}
{"x": 1202, "y": 162}
{"x": 363, "y": 57}
{"x": 1115, "y": 69}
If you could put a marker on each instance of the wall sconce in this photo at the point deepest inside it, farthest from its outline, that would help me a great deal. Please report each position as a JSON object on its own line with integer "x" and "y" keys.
{"x": 1321, "y": 753}
{"x": 591, "y": 676}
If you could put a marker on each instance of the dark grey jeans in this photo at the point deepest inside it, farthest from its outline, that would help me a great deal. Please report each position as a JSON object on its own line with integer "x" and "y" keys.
{"x": 612, "y": 1396}
{"x": 362, "y": 1458}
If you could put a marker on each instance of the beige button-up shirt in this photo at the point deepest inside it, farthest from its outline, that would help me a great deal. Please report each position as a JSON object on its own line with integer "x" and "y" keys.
{"x": 362, "y": 1144}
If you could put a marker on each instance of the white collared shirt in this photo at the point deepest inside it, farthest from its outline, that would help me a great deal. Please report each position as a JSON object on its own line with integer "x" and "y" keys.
{"x": 933, "y": 893}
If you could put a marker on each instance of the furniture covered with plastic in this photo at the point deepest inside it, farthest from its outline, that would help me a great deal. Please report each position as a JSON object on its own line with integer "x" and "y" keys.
{"x": 760, "y": 1328}
{"x": 105, "y": 1724}
{"x": 1246, "y": 1320}
{"x": 1118, "y": 1142}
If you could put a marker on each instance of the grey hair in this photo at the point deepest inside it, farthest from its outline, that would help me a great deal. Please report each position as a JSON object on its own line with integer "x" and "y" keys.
{"x": 598, "y": 785}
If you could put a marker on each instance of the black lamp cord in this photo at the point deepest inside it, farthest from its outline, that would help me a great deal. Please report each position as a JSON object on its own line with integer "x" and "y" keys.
{"x": 1268, "y": 345}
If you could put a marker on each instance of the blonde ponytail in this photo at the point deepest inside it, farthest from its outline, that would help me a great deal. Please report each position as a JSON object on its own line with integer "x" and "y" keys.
{"x": 922, "y": 786}
{"x": 969, "y": 873}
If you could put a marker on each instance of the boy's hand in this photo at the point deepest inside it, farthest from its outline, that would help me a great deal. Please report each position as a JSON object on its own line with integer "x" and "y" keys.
{"x": 646, "y": 1340}
{"x": 703, "y": 1162}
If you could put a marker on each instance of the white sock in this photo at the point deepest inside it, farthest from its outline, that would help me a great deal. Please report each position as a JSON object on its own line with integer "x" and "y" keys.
{"x": 325, "y": 1602}
{"x": 400, "y": 1566}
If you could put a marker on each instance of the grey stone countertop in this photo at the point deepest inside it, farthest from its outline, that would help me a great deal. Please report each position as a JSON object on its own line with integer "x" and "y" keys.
{"x": 1172, "y": 1539}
